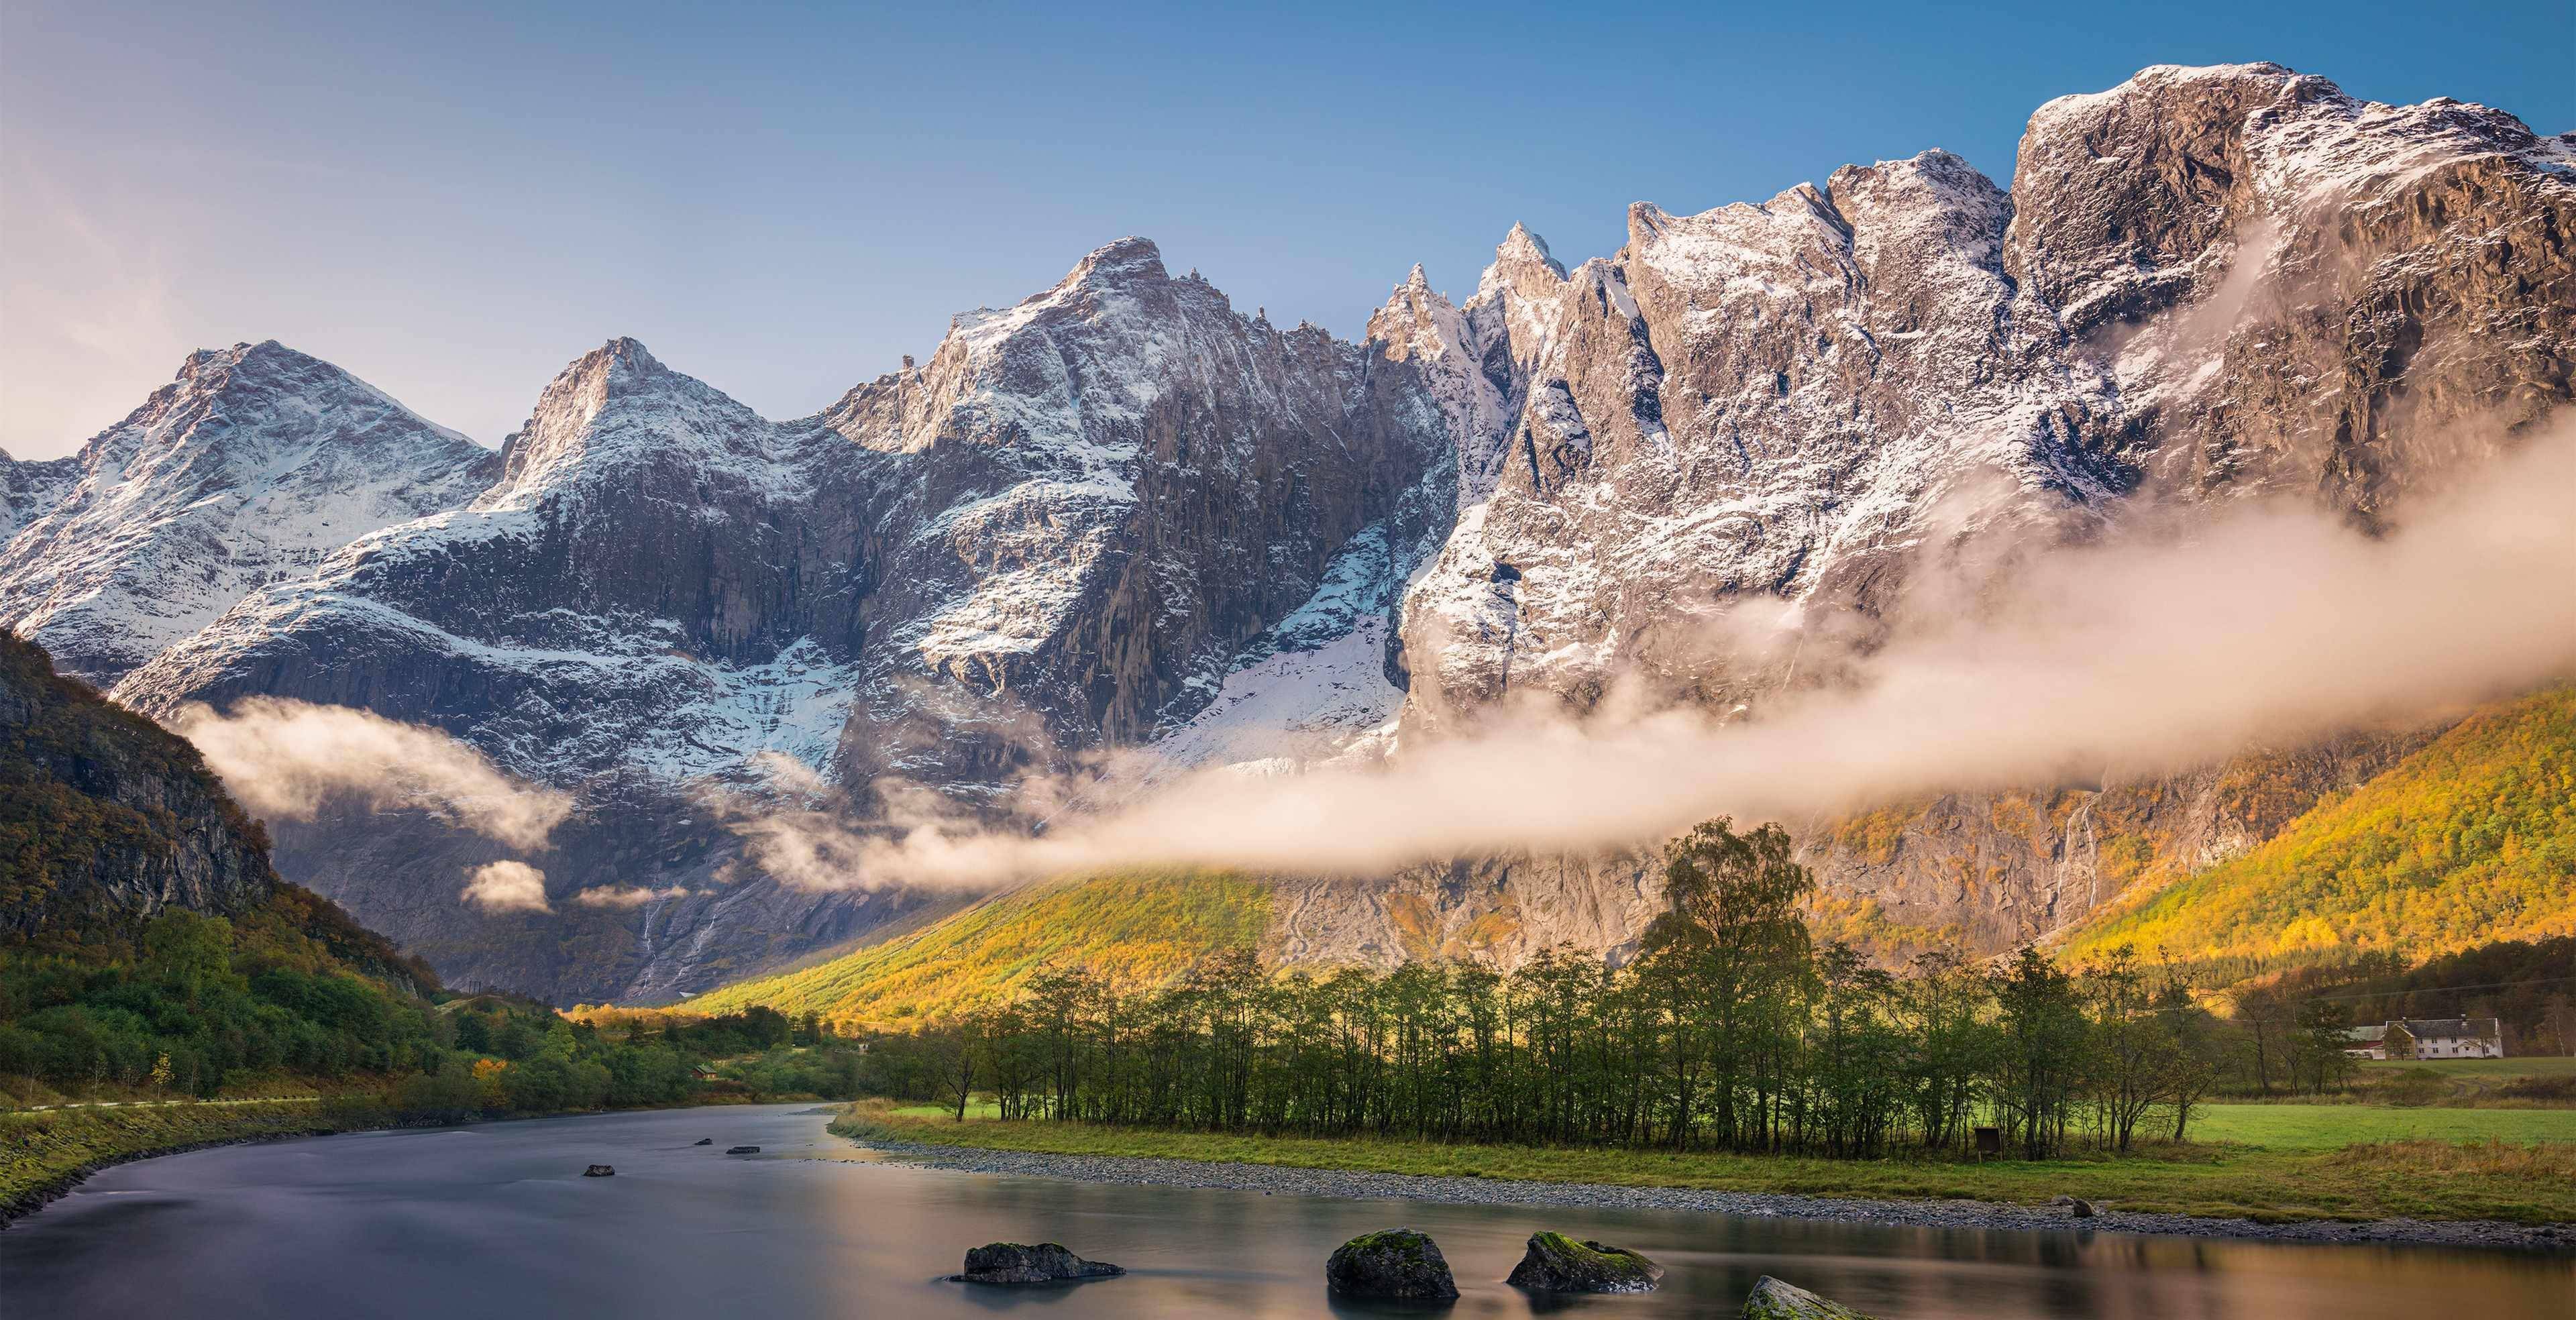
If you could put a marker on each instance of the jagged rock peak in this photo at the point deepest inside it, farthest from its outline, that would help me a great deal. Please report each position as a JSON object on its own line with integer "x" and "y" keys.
{"x": 1130, "y": 258}
{"x": 259, "y": 375}
{"x": 617, "y": 406}
{"x": 253, "y": 463}
{"x": 2159, "y": 82}
{"x": 1521, "y": 248}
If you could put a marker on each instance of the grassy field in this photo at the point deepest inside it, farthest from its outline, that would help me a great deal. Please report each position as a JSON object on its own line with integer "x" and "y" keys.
{"x": 2332, "y": 1127}
{"x": 42, "y": 1153}
{"x": 2273, "y": 1173}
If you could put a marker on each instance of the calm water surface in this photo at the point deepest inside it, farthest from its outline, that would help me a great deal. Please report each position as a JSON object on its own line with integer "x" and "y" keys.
{"x": 495, "y": 1220}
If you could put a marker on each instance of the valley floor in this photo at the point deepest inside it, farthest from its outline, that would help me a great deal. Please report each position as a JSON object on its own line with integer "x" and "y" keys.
{"x": 2516, "y": 1189}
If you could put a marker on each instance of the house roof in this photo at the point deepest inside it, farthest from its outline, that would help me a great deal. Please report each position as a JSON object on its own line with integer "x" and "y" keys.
{"x": 2448, "y": 1028}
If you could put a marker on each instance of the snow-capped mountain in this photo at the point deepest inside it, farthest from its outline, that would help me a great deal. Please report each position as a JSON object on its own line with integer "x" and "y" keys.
{"x": 1060, "y": 532}
{"x": 249, "y": 468}
{"x": 2215, "y": 282}
{"x": 1124, "y": 513}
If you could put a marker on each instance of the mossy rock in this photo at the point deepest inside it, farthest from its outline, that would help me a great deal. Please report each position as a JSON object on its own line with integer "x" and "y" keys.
{"x": 1397, "y": 1264}
{"x": 1774, "y": 1300}
{"x": 1047, "y": 1262}
{"x": 1557, "y": 1263}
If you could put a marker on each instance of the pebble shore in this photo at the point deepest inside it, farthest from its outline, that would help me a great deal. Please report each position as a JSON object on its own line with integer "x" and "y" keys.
{"x": 1157, "y": 1172}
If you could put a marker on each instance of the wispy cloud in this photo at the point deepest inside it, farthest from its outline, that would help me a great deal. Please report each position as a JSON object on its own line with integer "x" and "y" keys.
{"x": 2165, "y": 644}
{"x": 287, "y": 759}
{"x": 506, "y": 886}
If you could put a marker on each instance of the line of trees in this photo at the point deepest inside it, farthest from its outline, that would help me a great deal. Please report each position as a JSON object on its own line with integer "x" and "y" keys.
{"x": 1729, "y": 1030}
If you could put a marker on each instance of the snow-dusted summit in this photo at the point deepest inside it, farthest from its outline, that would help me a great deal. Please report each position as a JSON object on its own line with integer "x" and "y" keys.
{"x": 249, "y": 468}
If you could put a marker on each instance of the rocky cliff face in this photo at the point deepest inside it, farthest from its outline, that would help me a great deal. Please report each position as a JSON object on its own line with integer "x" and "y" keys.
{"x": 1124, "y": 513}
{"x": 2214, "y": 284}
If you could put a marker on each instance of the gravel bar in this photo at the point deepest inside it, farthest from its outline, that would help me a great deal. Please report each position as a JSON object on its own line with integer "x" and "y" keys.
{"x": 1356, "y": 1185}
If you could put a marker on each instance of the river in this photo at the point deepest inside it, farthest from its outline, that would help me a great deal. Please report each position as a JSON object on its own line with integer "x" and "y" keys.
{"x": 495, "y": 1220}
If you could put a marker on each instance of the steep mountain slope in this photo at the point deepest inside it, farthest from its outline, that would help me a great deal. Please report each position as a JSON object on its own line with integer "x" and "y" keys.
{"x": 251, "y": 466}
{"x": 2469, "y": 840}
{"x": 1130, "y": 929}
{"x": 107, "y": 820}
{"x": 1997, "y": 869}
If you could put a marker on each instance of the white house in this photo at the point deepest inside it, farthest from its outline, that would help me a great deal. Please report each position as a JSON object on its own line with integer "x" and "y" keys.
{"x": 2444, "y": 1038}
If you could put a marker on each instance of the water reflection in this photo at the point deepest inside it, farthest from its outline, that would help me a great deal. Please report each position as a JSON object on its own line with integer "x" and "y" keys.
{"x": 496, "y": 1221}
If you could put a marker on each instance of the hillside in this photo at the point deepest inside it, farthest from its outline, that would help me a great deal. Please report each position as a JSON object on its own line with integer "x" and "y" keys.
{"x": 1129, "y": 928}
{"x": 2469, "y": 840}
{"x": 107, "y": 820}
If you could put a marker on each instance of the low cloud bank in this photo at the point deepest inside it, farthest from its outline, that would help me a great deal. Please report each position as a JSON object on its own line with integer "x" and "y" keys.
{"x": 286, "y": 759}
{"x": 2166, "y": 644}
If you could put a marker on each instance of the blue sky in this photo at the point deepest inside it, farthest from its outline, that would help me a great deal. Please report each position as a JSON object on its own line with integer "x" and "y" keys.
{"x": 453, "y": 201}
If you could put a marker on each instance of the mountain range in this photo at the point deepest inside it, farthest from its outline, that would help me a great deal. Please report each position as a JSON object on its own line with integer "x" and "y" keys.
{"x": 1124, "y": 515}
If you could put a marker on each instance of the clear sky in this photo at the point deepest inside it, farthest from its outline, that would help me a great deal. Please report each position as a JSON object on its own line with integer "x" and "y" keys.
{"x": 453, "y": 201}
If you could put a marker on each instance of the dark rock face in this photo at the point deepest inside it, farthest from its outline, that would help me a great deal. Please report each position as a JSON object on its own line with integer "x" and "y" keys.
{"x": 1397, "y": 1265}
{"x": 1012, "y": 1263}
{"x": 1557, "y": 1263}
{"x": 122, "y": 819}
{"x": 1774, "y": 1300}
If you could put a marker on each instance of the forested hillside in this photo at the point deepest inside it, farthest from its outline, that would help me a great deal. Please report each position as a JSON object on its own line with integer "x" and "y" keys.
{"x": 2469, "y": 840}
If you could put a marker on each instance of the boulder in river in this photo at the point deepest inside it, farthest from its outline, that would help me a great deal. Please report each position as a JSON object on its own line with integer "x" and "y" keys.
{"x": 1047, "y": 1262}
{"x": 1557, "y": 1263}
{"x": 599, "y": 1171}
{"x": 2076, "y": 1207}
{"x": 1774, "y": 1300}
{"x": 704, "y": 1141}
{"x": 742, "y": 1150}
{"x": 1396, "y": 1264}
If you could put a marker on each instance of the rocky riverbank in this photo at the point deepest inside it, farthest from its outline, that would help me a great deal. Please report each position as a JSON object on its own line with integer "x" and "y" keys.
{"x": 1351, "y": 1184}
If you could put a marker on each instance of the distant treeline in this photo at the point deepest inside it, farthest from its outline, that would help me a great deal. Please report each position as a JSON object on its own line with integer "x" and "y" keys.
{"x": 1731, "y": 1029}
